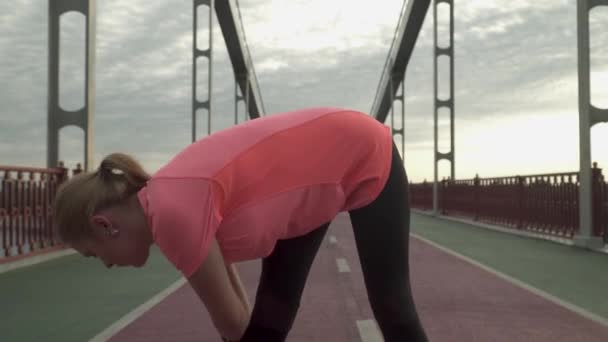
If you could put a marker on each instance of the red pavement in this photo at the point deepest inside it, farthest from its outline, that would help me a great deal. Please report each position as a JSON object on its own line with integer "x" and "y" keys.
{"x": 456, "y": 300}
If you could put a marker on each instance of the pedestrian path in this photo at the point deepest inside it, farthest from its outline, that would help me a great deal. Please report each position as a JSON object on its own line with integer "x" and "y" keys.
{"x": 470, "y": 284}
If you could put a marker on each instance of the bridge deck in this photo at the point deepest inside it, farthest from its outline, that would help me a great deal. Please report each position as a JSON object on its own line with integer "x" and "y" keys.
{"x": 74, "y": 299}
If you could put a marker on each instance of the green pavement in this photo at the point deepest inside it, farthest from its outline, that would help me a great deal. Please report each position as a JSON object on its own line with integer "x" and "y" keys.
{"x": 574, "y": 275}
{"x": 74, "y": 298}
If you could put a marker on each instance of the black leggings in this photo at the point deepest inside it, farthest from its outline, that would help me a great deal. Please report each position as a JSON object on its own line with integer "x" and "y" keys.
{"x": 381, "y": 232}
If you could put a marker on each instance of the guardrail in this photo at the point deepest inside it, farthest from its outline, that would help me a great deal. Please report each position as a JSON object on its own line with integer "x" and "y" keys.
{"x": 26, "y": 196}
{"x": 546, "y": 203}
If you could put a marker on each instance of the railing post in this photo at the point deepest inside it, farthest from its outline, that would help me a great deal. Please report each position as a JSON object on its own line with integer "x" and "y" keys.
{"x": 30, "y": 212}
{"x": 44, "y": 190}
{"x": 424, "y": 195}
{"x": 476, "y": 189}
{"x": 442, "y": 199}
{"x": 4, "y": 211}
{"x": 19, "y": 227}
{"x": 38, "y": 212}
{"x": 520, "y": 201}
{"x": 596, "y": 205}
{"x": 7, "y": 232}
{"x": 604, "y": 206}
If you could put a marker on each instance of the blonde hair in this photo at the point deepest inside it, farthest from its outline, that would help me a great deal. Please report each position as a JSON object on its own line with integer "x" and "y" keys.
{"x": 118, "y": 177}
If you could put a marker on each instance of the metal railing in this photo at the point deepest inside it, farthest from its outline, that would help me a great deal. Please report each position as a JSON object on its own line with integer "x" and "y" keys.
{"x": 546, "y": 204}
{"x": 26, "y": 196}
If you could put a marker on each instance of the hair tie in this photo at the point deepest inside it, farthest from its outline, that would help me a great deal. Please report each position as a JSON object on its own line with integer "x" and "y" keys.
{"x": 105, "y": 171}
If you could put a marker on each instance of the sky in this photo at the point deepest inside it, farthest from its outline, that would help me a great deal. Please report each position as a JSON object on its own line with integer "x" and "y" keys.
{"x": 516, "y": 88}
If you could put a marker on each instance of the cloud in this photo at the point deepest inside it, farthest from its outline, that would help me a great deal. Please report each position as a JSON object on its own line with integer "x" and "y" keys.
{"x": 512, "y": 62}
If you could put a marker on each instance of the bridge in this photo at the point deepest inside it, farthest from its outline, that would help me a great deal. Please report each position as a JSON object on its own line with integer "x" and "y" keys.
{"x": 511, "y": 258}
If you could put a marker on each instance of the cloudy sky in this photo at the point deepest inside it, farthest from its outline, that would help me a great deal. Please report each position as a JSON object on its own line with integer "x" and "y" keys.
{"x": 515, "y": 75}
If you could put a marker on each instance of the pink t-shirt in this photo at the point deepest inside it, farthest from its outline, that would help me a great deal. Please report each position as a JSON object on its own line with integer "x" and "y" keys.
{"x": 271, "y": 178}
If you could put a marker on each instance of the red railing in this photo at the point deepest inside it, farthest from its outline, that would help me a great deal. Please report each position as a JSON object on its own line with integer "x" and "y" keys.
{"x": 547, "y": 204}
{"x": 26, "y": 195}
{"x": 600, "y": 204}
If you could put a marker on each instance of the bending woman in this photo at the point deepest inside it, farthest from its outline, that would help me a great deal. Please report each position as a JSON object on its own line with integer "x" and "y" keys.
{"x": 265, "y": 189}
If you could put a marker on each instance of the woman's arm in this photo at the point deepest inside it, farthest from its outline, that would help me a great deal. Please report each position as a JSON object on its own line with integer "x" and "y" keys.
{"x": 214, "y": 286}
{"x": 233, "y": 274}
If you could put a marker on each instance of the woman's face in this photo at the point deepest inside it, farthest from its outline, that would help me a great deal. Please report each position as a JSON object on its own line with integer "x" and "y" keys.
{"x": 120, "y": 237}
{"x": 115, "y": 250}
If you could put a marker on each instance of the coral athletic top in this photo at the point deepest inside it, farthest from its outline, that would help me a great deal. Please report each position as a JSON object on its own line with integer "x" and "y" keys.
{"x": 271, "y": 178}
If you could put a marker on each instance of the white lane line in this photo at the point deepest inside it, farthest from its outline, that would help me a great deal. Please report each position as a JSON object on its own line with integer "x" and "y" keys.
{"x": 342, "y": 265}
{"x": 332, "y": 240}
{"x": 368, "y": 330}
{"x": 117, "y": 326}
{"x": 576, "y": 309}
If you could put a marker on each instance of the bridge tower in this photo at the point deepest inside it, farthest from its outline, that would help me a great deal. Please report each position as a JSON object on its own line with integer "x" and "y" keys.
{"x": 57, "y": 117}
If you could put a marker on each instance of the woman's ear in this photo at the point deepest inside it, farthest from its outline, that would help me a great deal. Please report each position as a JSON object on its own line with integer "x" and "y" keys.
{"x": 103, "y": 227}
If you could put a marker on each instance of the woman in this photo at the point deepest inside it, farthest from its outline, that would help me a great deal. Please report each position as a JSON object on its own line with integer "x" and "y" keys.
{"x": 267, "y": 188}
